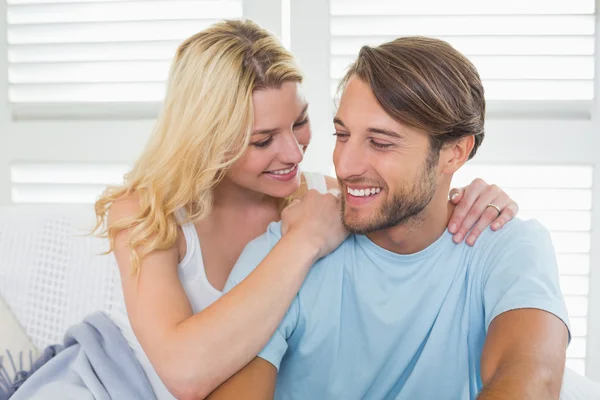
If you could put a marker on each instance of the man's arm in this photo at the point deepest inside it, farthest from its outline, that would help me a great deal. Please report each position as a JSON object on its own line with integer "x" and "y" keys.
{"x": 256, "y": 381}
{"x": 524, "y": 356}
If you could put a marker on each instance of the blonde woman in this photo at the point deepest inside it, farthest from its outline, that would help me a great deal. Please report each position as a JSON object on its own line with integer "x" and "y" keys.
{"x": 220, "y": 166}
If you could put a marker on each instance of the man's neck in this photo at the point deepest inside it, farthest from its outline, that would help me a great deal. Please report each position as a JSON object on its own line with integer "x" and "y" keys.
{"x": 420, "y": 231}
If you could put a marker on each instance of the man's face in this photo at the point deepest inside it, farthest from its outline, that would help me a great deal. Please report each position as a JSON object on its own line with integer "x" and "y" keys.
{"x": 386, "y": 170}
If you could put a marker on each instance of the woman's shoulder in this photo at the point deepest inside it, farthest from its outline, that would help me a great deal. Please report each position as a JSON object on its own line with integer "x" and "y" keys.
{"x": 128, "y": 207}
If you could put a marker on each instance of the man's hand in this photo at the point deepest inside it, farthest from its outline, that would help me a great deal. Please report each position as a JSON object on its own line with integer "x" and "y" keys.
{"x": 524, "y": 356}
{"x": 256, "y": 381}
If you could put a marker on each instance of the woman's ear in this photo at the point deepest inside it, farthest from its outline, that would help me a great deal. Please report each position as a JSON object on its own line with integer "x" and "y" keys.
{"x": 457, "y": 154}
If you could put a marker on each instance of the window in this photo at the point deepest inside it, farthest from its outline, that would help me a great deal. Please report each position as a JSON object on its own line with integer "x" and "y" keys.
{"x": 80, "y": 57}
{"x": 63, "y": 183}
{"x": 559, "y": 197}
{"x": 524, "y": 50}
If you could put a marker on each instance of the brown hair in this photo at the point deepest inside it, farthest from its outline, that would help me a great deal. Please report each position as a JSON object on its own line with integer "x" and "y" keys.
{"x": 427, "y": 84}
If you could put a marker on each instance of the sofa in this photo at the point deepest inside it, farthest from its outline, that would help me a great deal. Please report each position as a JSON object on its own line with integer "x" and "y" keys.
{"x": 53, "y": 274}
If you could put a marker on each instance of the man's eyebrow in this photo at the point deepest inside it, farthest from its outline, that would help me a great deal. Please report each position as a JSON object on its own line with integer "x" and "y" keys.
{"x": 380, "y": 131}
{"x": 339, "y": 122}
{"x": 386, "y": 132}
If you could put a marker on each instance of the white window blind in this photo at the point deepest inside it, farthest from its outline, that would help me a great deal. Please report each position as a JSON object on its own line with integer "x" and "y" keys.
{"x": 78, "y": 52}
{"x": 63, "y": 183}
{"x": 536, "y": 50}
{"x": 559, "y": 197}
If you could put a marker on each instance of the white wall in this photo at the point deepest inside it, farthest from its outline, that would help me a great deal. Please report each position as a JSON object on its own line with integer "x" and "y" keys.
{"x": 4, "y": 113}
{"x": 593, "y": 350}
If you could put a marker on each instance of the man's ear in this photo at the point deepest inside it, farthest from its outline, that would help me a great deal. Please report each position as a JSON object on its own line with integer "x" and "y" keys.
{"x": 456, "y": 154}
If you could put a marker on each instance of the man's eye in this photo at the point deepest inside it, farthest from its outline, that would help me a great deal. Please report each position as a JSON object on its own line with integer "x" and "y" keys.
{"x": 381, "y": 145}
{"x": 341, "y": 136}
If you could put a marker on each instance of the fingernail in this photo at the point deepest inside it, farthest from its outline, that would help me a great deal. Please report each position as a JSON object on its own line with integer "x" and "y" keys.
{"x": 470, "y": 241}
{"x": 454, "y": 196}
{"x": 496, "y": 225}
{"x": 452, "y": 227}
{"x": 457, "y": 238}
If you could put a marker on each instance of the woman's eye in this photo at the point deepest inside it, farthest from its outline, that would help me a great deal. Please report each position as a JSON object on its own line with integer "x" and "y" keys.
{"x": 301, "y": 123}
{"x": 263, "y": 143}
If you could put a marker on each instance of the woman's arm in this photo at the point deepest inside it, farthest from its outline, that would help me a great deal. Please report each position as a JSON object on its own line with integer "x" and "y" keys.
{"x": 194, "y": 354}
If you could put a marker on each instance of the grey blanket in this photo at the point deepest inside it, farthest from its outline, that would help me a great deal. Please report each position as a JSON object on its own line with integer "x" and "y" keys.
{"x": 95, "y": 362}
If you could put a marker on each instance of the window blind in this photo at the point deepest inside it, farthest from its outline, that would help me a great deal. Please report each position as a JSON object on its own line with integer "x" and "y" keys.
{"x": 560, "y": 198}
{"x": 525, "y": 51}
{"x": 63, "y": 183}
{"x": 68, "y": 53}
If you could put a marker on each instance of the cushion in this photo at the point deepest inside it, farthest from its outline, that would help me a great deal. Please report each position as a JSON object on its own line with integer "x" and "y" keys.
{"x": 12, "y": 335}
{"x": 51, "y": 272}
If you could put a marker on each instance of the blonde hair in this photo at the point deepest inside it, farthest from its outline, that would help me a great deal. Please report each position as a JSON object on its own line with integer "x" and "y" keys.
{"x": 203, "y": 128}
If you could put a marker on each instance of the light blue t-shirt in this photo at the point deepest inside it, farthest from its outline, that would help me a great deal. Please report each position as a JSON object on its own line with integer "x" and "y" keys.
{"x": 371, "y": 324}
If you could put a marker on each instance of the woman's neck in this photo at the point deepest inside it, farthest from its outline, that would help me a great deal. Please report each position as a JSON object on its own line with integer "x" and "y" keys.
{"x": 231, "y": 200}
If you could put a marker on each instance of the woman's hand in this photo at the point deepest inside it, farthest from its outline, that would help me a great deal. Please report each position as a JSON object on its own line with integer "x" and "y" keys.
{"x": 316, "y": 218}
{"x": 475, "y": 210}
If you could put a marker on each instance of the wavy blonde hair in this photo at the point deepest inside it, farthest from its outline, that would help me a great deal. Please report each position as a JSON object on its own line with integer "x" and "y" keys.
{"x": 204, "y": 127}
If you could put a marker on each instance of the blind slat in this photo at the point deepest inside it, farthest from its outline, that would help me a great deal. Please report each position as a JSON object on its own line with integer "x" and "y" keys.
{"x": 87, "y": 92}
{"x": 529, "y": 176}
{"x": 461, "y": 7}
{"x": 123, "y": 11}
{"x": 124, "y": 71}
{"x": 463, "y": 25}
{"x": 77, "y": 52}
{"x": 142, "y": 31}
{"x": 511, "y": 67}
{"x": 484, "y": 45}
{"x": 91, "y": 52}
{"x": 17, "y": 2}
{"x": 528, "y": 90}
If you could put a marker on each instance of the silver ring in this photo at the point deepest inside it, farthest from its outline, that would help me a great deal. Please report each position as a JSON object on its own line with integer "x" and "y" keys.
{"x": 496, "y": 207}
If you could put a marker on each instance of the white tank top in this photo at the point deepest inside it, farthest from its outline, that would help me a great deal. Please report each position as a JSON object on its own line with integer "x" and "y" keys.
{"x": 198, "y": 289}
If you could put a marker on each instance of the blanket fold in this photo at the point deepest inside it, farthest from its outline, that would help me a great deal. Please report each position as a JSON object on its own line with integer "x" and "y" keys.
{"x": 94, "y": 362}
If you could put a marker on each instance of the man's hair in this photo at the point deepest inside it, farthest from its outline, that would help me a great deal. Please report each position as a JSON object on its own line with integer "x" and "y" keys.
{"x": 427, "y": 84}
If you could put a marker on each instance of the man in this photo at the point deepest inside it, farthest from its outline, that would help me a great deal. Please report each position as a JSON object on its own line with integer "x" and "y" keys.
{"x": 398, "y": 311}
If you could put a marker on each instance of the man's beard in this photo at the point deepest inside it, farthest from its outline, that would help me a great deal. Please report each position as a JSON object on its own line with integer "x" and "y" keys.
{"x": 403, "y": 206}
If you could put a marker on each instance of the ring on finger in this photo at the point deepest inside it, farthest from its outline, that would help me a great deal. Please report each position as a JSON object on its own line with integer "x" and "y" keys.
{"x": 496, "y": 207}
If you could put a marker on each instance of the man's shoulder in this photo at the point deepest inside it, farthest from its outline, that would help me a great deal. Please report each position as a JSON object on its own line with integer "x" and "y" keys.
{"x": 330, "y": 266}
{"x": 263, "y": 244}
{"x": 254, "y": 252}
{"x": 516, "y": 231}
{"x": 519, "y": 240}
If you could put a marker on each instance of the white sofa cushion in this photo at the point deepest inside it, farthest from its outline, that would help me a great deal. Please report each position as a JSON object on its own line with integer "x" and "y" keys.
{"x": 51, "y": 273}
{"x": 12, "y": 336}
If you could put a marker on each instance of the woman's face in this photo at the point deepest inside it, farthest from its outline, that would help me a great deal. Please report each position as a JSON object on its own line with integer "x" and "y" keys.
{"x": 280, "y": 136}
